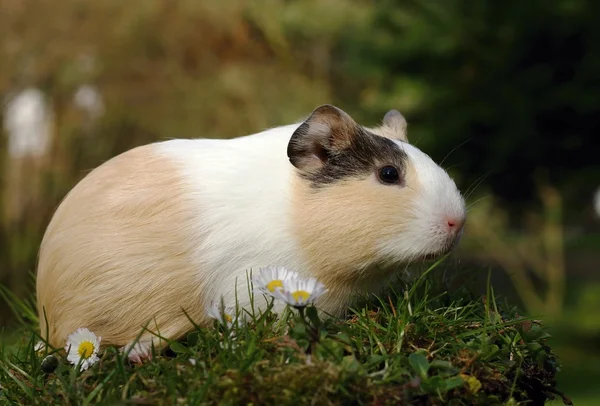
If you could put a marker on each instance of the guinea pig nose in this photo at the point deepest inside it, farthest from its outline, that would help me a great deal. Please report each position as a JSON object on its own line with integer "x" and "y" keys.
{"x": 454, "y": 224}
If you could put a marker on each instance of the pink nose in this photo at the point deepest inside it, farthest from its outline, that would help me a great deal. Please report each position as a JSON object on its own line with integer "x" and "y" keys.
{"x": 455, "y": 224}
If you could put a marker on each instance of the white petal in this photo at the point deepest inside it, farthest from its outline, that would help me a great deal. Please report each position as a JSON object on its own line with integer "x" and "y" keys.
{"x": 85, "y": 364}
{"x": 73, "y": 357}
{"x": 266, "y": 275}
{"x": 311, "y": 285}
{"x": 216, "y": 310}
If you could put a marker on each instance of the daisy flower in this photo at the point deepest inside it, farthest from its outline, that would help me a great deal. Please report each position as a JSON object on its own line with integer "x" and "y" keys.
{"x": 301, "y": 292}
{"x": 225, "y": 315}
{"x": 82, "y": 347}
{"x": 270, "y": 279}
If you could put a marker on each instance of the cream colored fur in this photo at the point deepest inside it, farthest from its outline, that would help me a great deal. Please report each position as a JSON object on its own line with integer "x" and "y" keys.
{"x": 115, "y": 241}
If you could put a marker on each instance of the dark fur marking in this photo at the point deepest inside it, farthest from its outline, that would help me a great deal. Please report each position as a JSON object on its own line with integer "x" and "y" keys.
{"x": 366, "y": 153}
{"x": 299, "y": 147}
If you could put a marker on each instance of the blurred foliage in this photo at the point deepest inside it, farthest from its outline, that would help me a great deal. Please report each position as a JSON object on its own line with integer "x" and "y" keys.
{"x": 531, "y": 255}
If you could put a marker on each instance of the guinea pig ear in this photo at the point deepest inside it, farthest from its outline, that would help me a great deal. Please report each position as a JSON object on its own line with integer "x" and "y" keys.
{"x": 394, "y": 126}
{"x": 327, "y": 130}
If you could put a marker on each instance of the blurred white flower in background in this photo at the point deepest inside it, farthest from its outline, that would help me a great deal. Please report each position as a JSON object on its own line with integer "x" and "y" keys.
{"x": 28, "y": 122}
{"x": 597, "y": 202}
{"x": 89, "y": 99}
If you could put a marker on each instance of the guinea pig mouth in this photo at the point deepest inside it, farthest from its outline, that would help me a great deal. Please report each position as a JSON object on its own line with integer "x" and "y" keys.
{"x": 448, "y": 247}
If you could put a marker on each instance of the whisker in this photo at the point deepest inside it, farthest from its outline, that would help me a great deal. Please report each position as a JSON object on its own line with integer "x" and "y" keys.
{"x": 475, "y": 185}
{"x": 416, "y": 143}
{"x": 454, "y": 149}
{"x": 453, "y": 166}
{"x": 470, "y": 206}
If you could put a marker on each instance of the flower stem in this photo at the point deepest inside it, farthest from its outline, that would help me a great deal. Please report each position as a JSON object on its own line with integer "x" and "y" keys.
{"x": 313, "y": 333}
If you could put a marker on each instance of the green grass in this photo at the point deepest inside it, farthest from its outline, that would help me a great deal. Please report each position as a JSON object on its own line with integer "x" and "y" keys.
{"x": 420, "y": 346}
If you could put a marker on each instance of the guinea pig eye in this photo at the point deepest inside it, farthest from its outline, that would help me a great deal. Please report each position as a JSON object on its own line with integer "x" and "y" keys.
{"x": 389, "y": 175}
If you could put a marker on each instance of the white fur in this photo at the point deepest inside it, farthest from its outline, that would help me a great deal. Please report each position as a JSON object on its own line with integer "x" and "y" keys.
{"x": 438, "y": 200}
{"x": 257, "y": 208}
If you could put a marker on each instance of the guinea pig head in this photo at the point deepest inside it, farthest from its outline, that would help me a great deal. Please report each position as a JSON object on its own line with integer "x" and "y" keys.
{"x": 366, "y": 196}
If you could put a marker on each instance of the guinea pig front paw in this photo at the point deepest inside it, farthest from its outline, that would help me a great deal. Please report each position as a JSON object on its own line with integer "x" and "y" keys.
{"x": 138, "y": 352}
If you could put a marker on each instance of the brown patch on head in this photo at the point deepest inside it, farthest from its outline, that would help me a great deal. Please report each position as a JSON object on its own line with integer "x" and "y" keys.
{"x": 117, "y": 254}
{"x": 330, "y": 147}
{"x": 328, "y": 129}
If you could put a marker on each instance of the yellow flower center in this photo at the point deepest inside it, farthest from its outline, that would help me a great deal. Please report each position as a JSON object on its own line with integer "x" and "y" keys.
{"x": 228, "y": 318}
{"x": 300, "y": 295}
{"x": 274, "y": 284}
{"x": 86, "y": 349}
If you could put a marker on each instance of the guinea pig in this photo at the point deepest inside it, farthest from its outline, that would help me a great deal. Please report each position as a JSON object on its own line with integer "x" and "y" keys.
{"x": 171, "y": 226}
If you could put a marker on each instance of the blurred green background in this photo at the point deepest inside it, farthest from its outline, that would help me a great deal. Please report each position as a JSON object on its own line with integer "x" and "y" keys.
{"x": 506, "y": 94}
